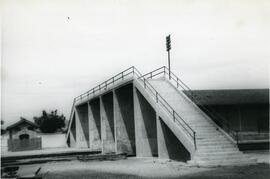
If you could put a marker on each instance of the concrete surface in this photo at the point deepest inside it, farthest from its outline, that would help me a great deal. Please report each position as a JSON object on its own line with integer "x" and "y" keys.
{"x": 81, "y": 118}
{"x": 169, "y": 147}
{"x": 83, "y": 124}
{"x": 94, "y": 124}
{"x": 72, "y": 134}
{"x": 124, "y": 120}
{"x": 107, "y": 123}
{"x": 53, "y": 140}
{"x": 143, "y": 168}
{"x": 145, "y": 127}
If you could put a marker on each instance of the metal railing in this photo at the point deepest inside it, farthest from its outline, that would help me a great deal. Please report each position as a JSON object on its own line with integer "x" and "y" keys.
{"x": 132, "y": 71}
{"x": 101, "y": 87}
{"x": 178, "y": 83}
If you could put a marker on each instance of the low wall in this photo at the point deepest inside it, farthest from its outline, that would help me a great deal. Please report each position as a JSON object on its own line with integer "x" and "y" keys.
{"x": 4, "y": 145}
{"x": 53, "y": 141}
{"x": 26, "y": 144}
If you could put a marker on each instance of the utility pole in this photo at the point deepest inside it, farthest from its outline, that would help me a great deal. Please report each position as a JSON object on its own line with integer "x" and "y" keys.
{"x": 168, "y": 46}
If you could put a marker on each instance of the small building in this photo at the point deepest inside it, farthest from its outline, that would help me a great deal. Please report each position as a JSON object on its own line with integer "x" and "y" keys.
{"x": 23, "y": 136}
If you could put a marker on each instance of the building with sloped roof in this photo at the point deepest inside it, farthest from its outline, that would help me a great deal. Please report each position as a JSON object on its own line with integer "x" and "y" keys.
{"x": 23, "y": 136}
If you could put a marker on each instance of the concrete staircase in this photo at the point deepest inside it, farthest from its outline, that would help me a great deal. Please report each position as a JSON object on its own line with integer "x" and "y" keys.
{"x": 213, "y": 146}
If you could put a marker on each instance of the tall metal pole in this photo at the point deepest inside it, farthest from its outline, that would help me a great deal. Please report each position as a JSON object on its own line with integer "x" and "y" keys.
{"x": 168, "y": 47}
{"x": 169, "y": 64}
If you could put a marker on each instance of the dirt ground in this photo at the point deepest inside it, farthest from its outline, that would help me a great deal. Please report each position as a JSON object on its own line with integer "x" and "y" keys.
{"x": 143, "y": 168}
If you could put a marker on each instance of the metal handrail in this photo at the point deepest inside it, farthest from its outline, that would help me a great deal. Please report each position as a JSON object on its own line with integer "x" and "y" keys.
{"x": 179, "y": 83}
{"x": 176, "y": 117}
{"x": 159, "y": 99}
{"x": 99, "y": 87}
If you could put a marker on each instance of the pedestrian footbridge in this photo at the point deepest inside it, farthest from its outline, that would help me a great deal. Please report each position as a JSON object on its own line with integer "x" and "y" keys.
{"x": 149, "y": 115}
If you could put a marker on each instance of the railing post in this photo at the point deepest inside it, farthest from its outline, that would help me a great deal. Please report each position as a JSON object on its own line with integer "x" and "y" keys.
{"x": 99, "y": 87}
{"x": 157, "y": 96}
{"x": 194, "y": 139}
{"x": 177, "y": 82}
{"x": 105, "y": 84}
{"x": 122, "y": 75}
{"x": 113, "y": 80}
{"x": 151, "y": 76}
{"x": 173, "y": 116}
{"x": 144, "y": 82}
{"x": 237, "y": 137}
{"x": 164, "y": 70}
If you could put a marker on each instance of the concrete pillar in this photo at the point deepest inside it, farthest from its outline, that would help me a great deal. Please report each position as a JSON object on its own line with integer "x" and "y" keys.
{"x": 73, "y": 132}
{"x": 169, "y": 147}
{"x": 145, "y": 126}
{"x": 82, "y": 126}
{"x": 94, "y": 125}
{"x": 107, "y": 123}
{"x": 124, "y": 120}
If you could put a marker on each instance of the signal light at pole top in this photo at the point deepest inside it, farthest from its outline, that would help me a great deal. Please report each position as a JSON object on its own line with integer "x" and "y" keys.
{"x": 168, "y": 42}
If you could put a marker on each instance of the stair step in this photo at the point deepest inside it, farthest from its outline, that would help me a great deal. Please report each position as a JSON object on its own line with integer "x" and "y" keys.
{"x": 218, "y": 157}
{"x": 221, "y": 140}
{"x": 214, "y": 150}
{"x": 210, "y": 137}
{"x": 204, "y": 128}
{"x": 223, "y": 162}
{"x": 217, "y": 153}
{"x": 225, "y": 146}
{"x": 208, "y": 133}
{"x": 215, "y": 139}
{"x": 220, "y": 143}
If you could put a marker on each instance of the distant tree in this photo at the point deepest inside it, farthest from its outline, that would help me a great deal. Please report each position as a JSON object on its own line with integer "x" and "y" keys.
{"x": 3, "y": 131}
{"x": 50, "y": 122}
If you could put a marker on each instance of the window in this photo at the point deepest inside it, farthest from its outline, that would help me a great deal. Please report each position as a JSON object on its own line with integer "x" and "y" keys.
{"x": 30, "y": 128}
{"x": 24, "y": 136}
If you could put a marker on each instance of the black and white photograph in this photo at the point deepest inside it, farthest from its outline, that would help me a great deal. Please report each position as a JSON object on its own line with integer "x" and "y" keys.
{"x": 135, "y": 89}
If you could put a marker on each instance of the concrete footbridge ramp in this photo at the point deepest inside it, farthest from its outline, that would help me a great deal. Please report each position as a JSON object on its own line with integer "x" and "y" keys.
{"x": 149, "y": 115}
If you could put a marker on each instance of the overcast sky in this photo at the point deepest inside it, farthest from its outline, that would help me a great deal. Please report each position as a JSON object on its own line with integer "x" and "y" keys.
{"x": 54, "y": 50}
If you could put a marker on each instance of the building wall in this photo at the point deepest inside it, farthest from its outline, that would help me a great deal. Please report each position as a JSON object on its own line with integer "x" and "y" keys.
{"x": 53, "y": 141}
{"x": 22, "y": 129}
{"x": 26, "y": 144}
{"x": 245, "y": 118}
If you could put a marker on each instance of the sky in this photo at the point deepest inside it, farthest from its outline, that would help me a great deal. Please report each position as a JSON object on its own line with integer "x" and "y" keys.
{"x": 54, "y": 50}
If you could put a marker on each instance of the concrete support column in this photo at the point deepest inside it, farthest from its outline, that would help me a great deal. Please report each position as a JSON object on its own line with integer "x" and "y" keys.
{"x": 81, "y": 126}
{"x": 145, "y": 126}
{"x": 107, "y": 123}
{"x": 73, "y": 132}
{"x": 169, "y": 147}
{"x": 72, "y": 142}
{"x": 162, "y": 148}
{"x": 124, "y": 120}
{"x": 94, "y": 125}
